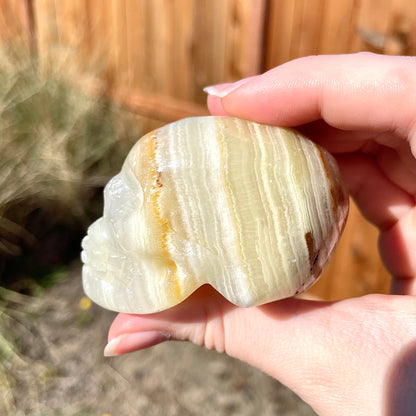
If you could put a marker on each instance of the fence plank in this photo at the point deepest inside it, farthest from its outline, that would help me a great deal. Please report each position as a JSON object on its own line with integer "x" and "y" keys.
{"x": 295, "y": 29}
{"x": 309, "y": 31}
{"x": 163, "y": 47}
{"x": 46, "y": 30}
{"x": 15, "y": 23}
{"x": 152, "y": 105}
{"x": 247, "y": 20}
{"x": 279, "y": 31}
{"x": 386, "y": 26}
{"x": 339, "y": 21}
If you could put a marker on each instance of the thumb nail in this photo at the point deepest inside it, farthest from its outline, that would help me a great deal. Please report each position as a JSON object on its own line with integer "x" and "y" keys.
{"x": 126, "y": 343}
{"x": 221, "y": 90}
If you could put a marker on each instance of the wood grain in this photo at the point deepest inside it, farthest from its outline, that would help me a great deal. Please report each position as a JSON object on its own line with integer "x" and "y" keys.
{"x": 294, "y": 28}
{"x": 12, "y": 20}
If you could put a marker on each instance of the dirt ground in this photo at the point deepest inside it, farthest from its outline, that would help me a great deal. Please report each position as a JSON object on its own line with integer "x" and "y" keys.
{"x": 59, "y": 369}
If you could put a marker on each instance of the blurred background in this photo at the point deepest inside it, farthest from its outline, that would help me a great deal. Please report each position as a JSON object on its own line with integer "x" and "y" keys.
{"x": 80, "y": 82}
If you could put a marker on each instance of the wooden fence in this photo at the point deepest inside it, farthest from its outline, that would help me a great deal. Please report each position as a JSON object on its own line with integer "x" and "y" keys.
{"x": 155, "y": 56}
{"x": 153, "y": 51}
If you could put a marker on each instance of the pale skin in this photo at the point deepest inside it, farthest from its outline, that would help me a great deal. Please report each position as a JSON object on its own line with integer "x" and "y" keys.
{"x": 352, "y": 357}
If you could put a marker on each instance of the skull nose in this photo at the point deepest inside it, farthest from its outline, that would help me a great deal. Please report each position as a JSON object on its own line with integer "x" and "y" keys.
{"x": 96, "y": 246}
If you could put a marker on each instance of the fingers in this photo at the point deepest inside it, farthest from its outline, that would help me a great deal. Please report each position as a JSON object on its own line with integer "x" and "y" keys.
{"x": 398, "y": 250}
{"x": 380, "y": 200}
{"x": 392, "y": 210}
{"x": 258, "y": 335}
{"x": 208, "y": 319}
{"x": 394, "y": 156}
{"x": 349, "y": 92}
{"x": 193, "y": 320}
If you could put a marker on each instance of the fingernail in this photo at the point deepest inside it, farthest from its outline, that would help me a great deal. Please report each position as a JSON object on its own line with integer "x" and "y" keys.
{"x": 126, "y": 343}
{"x": 221, "y": 90}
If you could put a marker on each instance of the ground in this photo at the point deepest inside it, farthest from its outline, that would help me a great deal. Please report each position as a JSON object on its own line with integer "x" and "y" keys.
{"x": 57, "y": 368}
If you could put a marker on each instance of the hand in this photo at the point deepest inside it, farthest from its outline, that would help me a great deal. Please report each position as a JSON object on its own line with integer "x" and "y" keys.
{"x": 352, "y": 357}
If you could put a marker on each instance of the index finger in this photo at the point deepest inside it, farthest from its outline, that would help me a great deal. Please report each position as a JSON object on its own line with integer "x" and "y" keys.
{"x": 361, "y": 91}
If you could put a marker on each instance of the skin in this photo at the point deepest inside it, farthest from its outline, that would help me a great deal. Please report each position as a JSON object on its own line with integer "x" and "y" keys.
{"x": 352, "y": 357}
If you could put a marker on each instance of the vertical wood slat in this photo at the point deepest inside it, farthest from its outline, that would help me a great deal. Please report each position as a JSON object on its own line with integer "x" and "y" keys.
{"x": 388, "y": 28}
{"x": 372, "y": 20}
{"x": 70, "y": 21}
{"x": 16, "y": 25}
{"x": 338, "y": 28}
{"x": 184, "y": 86}
{"x": 46, "y": 31}
{"x": 310, "y": 32}
{"x": 141, "y": 44}
{"x": 11, "y": 19}
{"x": 170, "y": 48}
{"x": 136, "y": 42}
{"x": 279, "y": 29}
{"x": 246, "y": 37}
{"x": 116, "y": 18}
{"x": 295, "y": 29}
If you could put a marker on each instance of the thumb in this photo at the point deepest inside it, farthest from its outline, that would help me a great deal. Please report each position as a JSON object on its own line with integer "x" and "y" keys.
{"x": 318, "y": 349}
{"x": 207, "y": 319}
{"x": 266, "y": 337}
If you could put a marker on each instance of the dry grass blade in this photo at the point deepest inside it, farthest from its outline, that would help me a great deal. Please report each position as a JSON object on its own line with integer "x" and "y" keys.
{"x": 57, "y": 143}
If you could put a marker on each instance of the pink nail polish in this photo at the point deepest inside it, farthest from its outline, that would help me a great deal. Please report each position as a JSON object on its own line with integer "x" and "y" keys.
{"x": 126, "y": 343}
{"x": 221, "y": 90}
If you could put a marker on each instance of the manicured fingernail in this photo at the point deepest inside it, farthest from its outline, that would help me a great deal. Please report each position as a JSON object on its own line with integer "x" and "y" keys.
{"x": 221, "y": 90}
{"x": 133, "y": 342}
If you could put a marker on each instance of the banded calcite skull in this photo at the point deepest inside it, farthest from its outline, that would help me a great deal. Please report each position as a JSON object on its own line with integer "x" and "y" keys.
{"x": 253, "y": 210}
